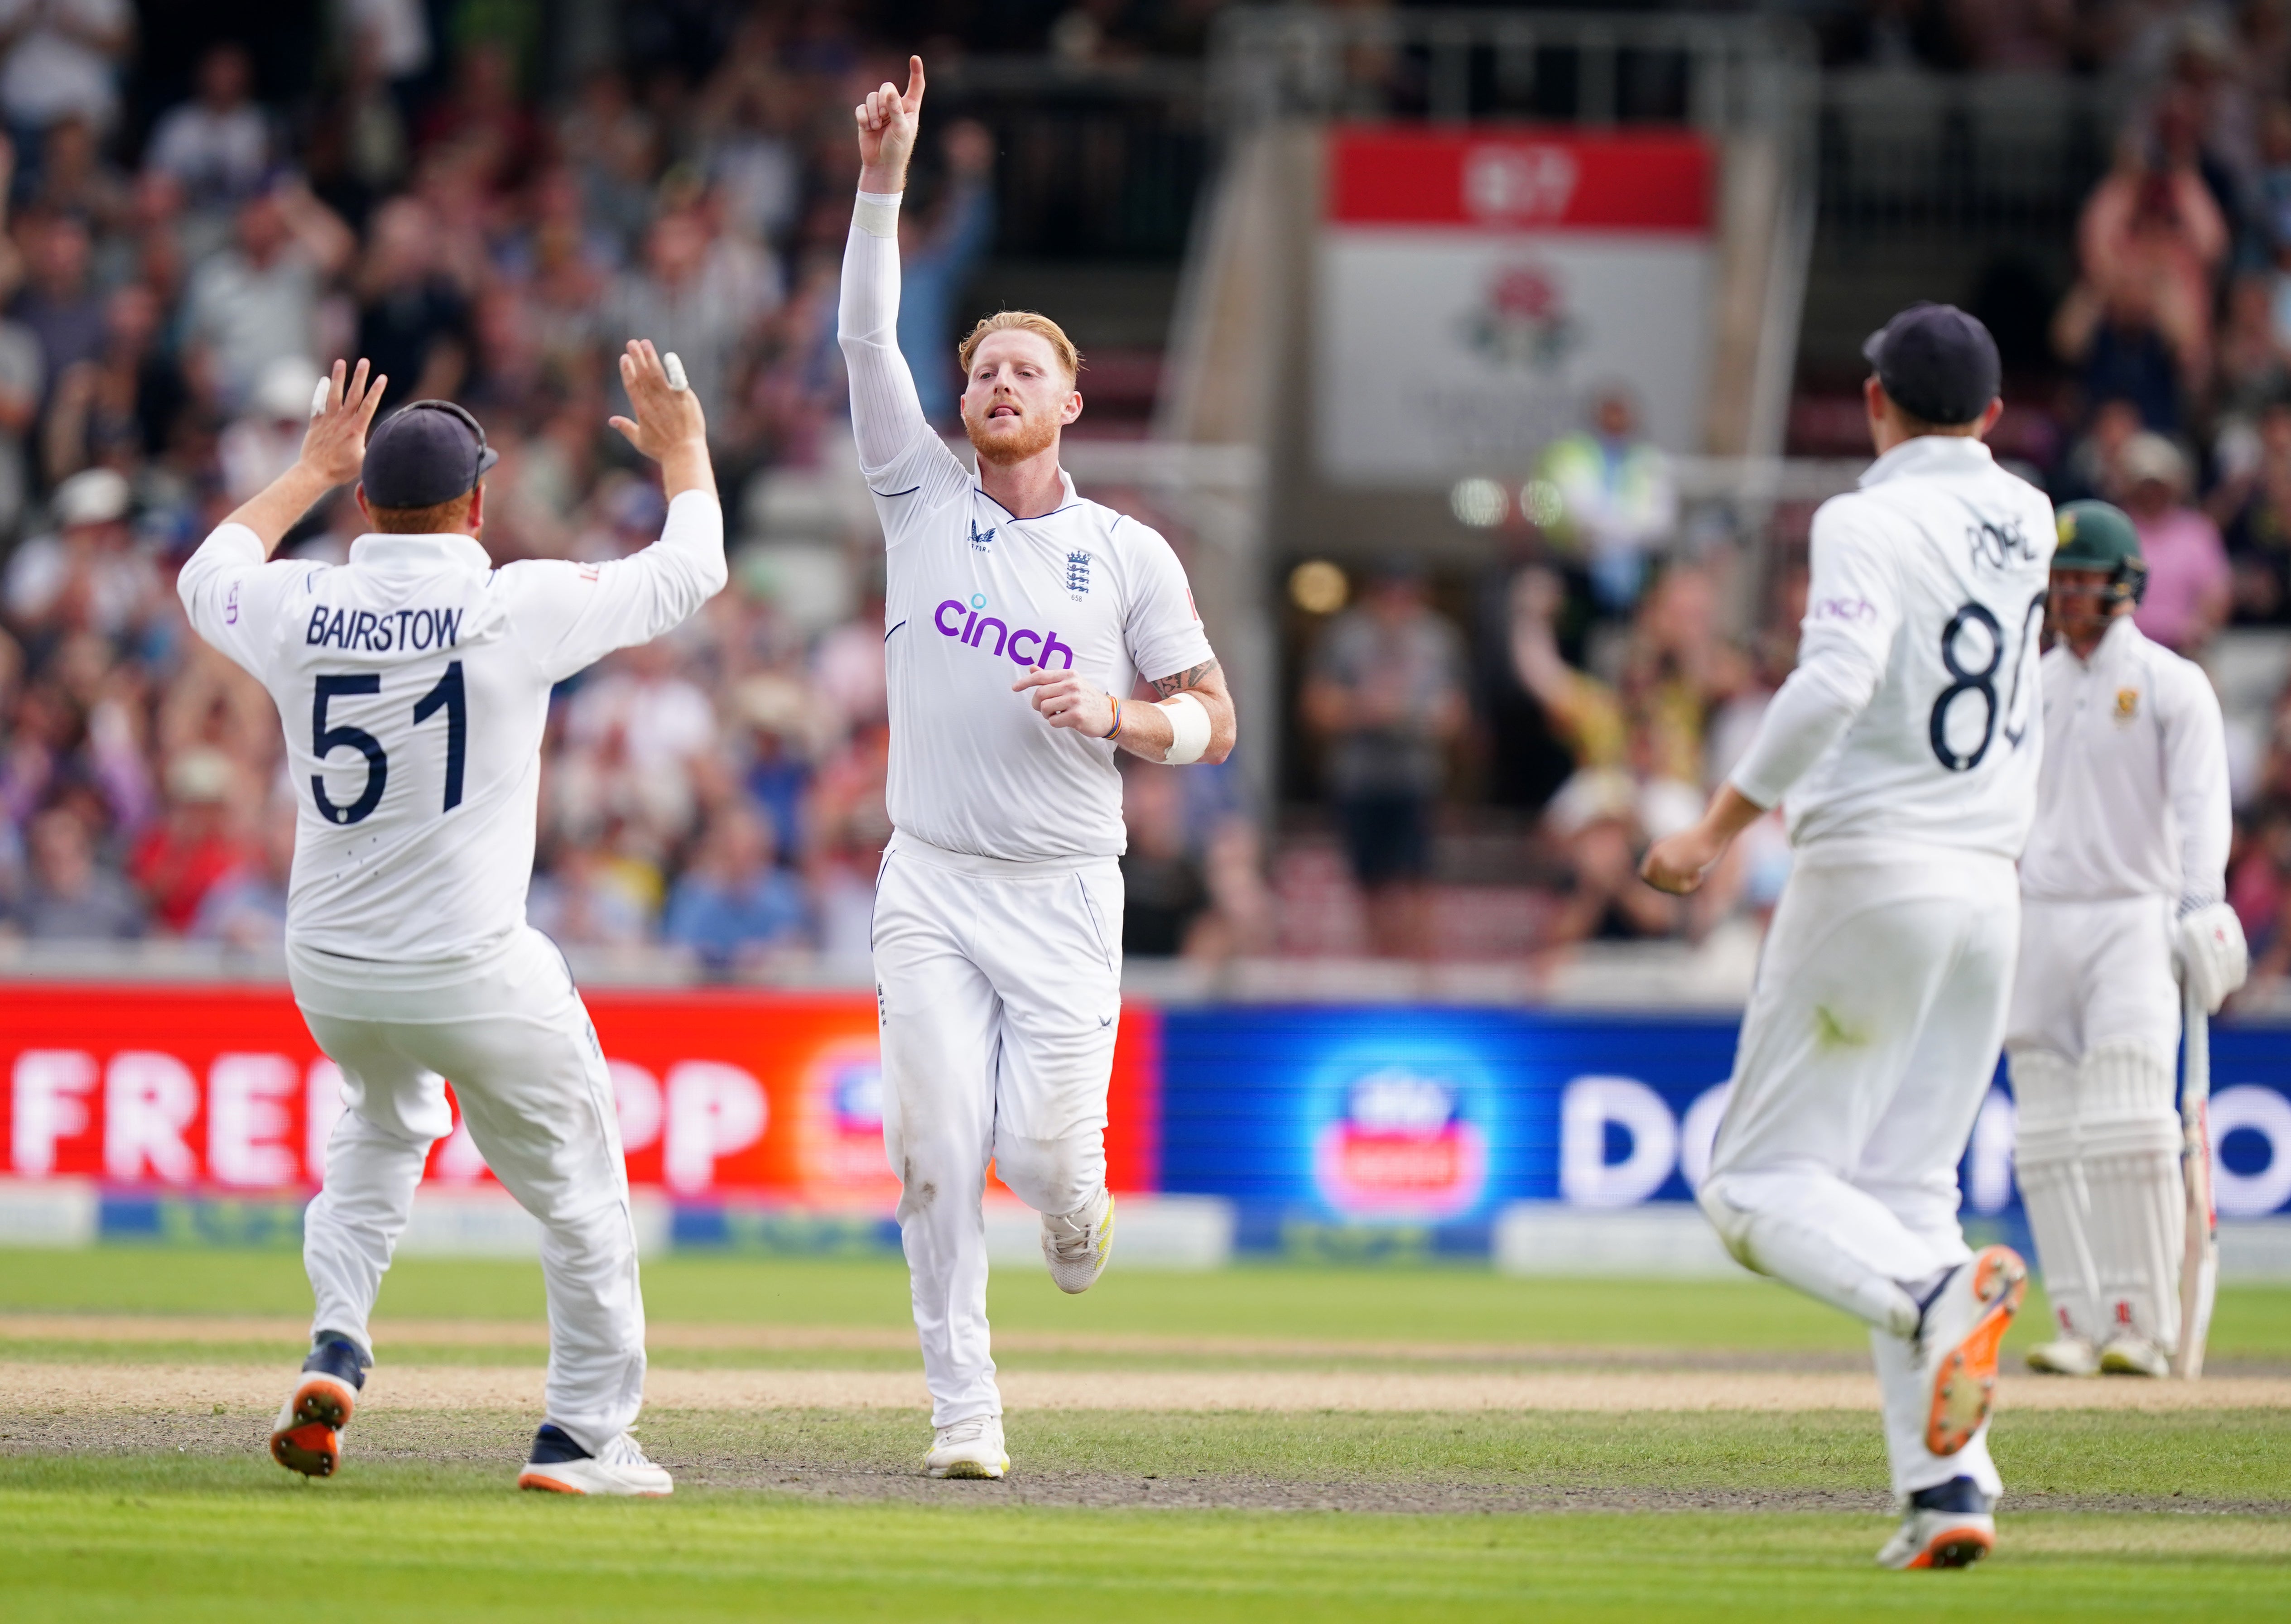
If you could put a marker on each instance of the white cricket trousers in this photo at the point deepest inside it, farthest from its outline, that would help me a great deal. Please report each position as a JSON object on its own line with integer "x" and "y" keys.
{"x": 1866, "y": 1052}
{"x": 511, "y": 1034}
{"x": 998, "y": 987}
{"x": 2093, "y": 1038}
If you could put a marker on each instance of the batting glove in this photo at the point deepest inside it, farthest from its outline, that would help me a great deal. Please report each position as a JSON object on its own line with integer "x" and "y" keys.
{"x": 2214, "y": 959}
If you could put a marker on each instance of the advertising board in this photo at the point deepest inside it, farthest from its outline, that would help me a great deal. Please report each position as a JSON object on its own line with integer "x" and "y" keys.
{"x": 756, "y": 1095}
{"x": 1443, "y": 1116}
{"x": 1346, "y": 1117}
{"x": 1475, "y": 284}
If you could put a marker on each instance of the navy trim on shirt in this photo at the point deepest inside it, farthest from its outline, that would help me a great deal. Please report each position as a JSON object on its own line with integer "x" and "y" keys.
{"x": 1014, "y": 519}
{"x": 887, "y": 636}
{"x": 893, "y": 496}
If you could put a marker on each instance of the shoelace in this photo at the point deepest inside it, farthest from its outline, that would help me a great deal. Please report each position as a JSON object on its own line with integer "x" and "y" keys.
{"x": 1072, "y": 1241}
{"x": 622, "y": 1451}
{"x": 969, "y": 1431}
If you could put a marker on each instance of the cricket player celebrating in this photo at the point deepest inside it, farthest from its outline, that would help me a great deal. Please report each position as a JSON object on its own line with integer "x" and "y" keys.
{"x": 413, "y": 684}
{"x": 1904, "y": 749}
{"x": 1017, "y": 618}
{"x": 2124, "y": 876}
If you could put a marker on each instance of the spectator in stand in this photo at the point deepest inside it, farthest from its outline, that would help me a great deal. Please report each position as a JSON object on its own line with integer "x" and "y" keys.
{"x": 1612, "y": 504}
{"x": 246, "y": 909}
{"x": 69, "y": 897}
{"x": 217, "y": 144}
{"x": 2138, "y": 322}
{"x": 194, "y": 848}
{"x": 2190, "y": 582}
{"x": 1163, "y": 887}
{"x": 1384, "y": 691}
{"x": 778, "y": 714}
{"x": 257, "y": 301}
{"x": 2088, "y": 467}
{"x": 74, "y": 179}
{"x": 263, "y": 443}
{"x": 736, "y": 902}
{"x": 414, "y": 323}
{"x": 125, "y": 406}
{"x": 2257, "y": 533}
{"x": 937, "y": 262}
{"x": 2252, "y": 368}
{"x": 649, "y": 729}
{"x": 86, "y": 575}
{"x": 63, "y": 58}
{"x": 582, "y": 900}
{"x": 58, "y": 305}
{"x": 701, "y": 310}
{"x": 23, "y": 377}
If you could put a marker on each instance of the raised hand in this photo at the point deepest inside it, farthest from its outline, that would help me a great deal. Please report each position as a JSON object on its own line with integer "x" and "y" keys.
{"x": 668, "y": 426}
{"x": 887, "y": 120}
{"x": 333, "y": 447}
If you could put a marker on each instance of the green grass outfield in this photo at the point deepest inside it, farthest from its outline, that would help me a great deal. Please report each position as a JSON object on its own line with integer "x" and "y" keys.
{"x": 1458, "y": 1304}
{"x": 421, "y": 1526}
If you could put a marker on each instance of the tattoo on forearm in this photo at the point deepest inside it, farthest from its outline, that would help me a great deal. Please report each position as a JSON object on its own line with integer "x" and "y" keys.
{"x": 1192, "y": 677}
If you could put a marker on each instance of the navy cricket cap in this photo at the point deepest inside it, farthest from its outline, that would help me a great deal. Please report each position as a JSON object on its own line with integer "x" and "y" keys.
{"x": 1938, "y": 363}
{"x": 425, "y": 453}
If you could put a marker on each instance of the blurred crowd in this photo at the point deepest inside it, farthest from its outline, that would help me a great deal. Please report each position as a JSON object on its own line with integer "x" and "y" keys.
{"x": 171, "y": 278}
{"x": 173, "y": 275}
{"x": 2175, "y": 345}
{"x": 1586, "y": 689}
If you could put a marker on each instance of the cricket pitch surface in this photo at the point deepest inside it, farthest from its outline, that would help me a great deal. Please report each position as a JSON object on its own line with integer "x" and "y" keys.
{"x": 1337, "y": 1442}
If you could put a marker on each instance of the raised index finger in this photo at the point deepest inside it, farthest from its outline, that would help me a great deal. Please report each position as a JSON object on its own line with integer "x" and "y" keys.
{"x": 913, "y": 100}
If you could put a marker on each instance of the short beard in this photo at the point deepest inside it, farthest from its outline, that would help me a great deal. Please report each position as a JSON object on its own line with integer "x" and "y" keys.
{"x": 1040, "y": 435}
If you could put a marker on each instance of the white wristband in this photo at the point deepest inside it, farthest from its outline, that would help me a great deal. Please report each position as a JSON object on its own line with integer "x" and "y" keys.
{"x": 1189, "y": 728}
{"x": 877, "y": 213}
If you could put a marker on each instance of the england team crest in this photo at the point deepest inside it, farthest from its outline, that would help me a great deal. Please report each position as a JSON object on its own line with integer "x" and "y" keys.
{"x": 1077, "y": 576}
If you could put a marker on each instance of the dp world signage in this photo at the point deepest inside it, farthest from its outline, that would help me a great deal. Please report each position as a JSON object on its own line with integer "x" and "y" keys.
{"x": 1441, "y": 1116}
{"x": 1475, "y": 284}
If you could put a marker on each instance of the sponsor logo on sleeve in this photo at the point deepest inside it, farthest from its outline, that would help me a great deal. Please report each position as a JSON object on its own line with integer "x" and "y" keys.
{"x": 1847, "y": 609}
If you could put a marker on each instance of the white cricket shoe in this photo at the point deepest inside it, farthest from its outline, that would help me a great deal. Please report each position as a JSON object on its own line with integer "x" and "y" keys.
{"x": 971, "y": 1448}
{"x": 1077, "y": 1245}
{"x": 2067, "y": 1356}
{"x": 1964, "y": 1320}
{"x": 307, "y": 1437}
{"x": 1947, "y": 1526}
{"x": 562, "y": 1467}
{"x": 2131, "y": 1354}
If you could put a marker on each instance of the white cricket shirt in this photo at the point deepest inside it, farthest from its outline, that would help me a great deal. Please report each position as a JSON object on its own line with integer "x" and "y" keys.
{"x": 2133, "y": 800}
{"x": 413, "y": 684}
{"x": 974, "y": 596}
{"x": 1913, "y": 716}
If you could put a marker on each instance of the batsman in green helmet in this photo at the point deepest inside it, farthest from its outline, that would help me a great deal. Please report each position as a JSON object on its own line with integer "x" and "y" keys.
{"x": 2123, "y": 910}
{"x": 2097, "y": 574}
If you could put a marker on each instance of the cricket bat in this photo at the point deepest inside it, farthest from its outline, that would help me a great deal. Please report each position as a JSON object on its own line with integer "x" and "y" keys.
{"x": 2199, "y": 1264}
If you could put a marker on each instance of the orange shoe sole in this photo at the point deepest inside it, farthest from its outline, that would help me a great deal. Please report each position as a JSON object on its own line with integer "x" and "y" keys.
{"x": 312, "y": 1444}
{"x": 311, "y": 1448}
{"x": 1955, "y": 1548}
{"x": 547, "y": 1485}
{"x": 1965, "y": 1384}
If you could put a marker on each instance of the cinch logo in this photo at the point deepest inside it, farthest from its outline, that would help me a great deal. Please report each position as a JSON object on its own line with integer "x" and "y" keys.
{"x": 1024, "y": 647}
